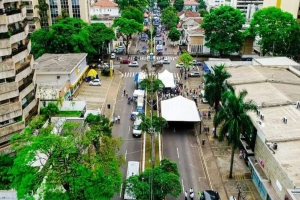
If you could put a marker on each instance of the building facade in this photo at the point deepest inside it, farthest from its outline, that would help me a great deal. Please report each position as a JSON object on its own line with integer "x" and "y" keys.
{"x": 42, "y": 14}
{"x": 17, "y": 91}
{"x": 291, "y": 6}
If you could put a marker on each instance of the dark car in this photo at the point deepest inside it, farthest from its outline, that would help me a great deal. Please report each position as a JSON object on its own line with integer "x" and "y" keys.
{"x": 194, "y": 74}
{"x": 125, "y": 61}
{"x": 210, "y": 195}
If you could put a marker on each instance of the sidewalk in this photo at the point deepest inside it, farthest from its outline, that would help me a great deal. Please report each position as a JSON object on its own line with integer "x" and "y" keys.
{"x": 112, "y": 94}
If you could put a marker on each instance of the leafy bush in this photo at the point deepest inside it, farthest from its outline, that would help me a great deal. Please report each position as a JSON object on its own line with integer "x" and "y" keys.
{"x": 37, "y": 122}
{"x": 105, "y": 72}
{"x": 92, "y": 119}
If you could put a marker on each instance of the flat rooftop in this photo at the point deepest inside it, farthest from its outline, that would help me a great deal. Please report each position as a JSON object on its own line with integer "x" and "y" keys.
{"x": 275, "y": 61}
{"x": 58, "y": 63}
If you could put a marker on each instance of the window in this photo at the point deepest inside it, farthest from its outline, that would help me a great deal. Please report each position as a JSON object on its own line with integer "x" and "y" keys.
{"x": 53, "y": 10}
{"x": 65, "y": 5}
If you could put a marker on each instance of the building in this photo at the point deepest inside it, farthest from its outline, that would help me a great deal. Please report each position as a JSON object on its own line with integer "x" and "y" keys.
{"x": 291, "y": 6}
{"x": 17, "y": 91}
{"x": 59, "y": 75}
{"x": 216, "y": 3}
{"x": 105, "y": 8}
{"x": 190, "y": 5}
{"x": 248, "y": 7}
{"x": 37, "y": 17}
{"x": 271, "y": 152}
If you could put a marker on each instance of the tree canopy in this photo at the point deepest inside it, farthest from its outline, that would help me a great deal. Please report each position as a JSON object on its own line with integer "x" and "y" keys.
{"x": 150, "y": 83}
{"x": 139, "y": 4}
{"x": 223, "y": 30}
{"x": 278, "y": 32}
{"x": 166, "y": 181}
{"x": 163, "y": 3}
{"x": 178, "y": 5}
{"x": 70, "y": 35}
{"x": 203, "y": 12}
{"x": 202, "y": 4}
{"x": 66, "y": 165}
{"x": 169, "y": 17}
{"x": 234, "y": 119}
{"x": 186, "y": 59}
{"x": 133, "y": 13}
{"x": 6, "y": 162}
{"x": 127, "y": 27}
{"x": 174, "y": 34}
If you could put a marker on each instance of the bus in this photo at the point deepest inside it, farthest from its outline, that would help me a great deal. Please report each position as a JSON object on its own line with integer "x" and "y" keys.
{"x": 140, "y": 104}
{"x": 132, "y": 169}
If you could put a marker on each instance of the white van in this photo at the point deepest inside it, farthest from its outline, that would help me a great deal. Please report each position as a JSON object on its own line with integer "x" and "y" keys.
{"x": 136, "y": 131}
{"x": 203, "y": 99}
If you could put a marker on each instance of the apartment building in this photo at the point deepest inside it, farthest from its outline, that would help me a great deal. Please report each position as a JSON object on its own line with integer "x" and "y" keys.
{"x": 17, "y": 91}
{"x": 291, "y": 6}
{"x": 42, "y": 14}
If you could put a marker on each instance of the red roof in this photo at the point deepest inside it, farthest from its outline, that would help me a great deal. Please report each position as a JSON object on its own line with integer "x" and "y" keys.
{"x": 191, "y": 3}
{"x": 105, "y": 3}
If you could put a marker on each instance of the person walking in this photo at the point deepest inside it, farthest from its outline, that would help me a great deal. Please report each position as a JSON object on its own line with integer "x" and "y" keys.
{"x": 119, "y": 119}
{"x": 185, "y": 195}
{"x": 191, "y": 190}
{"x": 192, "y": 195}
{"x": 124, "y": 92}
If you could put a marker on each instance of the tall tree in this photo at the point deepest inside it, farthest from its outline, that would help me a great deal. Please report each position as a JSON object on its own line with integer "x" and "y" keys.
{"x": 127, "y": 27}
{"x": 169, "y": 17}
{"x": 163, "y": 3}
{"x": 6, "y": 163}
{"x": 150, "y": 83}
{"x": 65, "y": 165}
{"x": 223, "y": 30}
{"x": 278, "y": 32}
{"x": 186, "y": 59}
{"x": 166, "y": 181}
{"x": 133, "y": 13}
{"x": 202, "y": 4}
{"x": 174, "y": 34}
{"x": 215, "y": 85}
{"x": 139, "y": 4}
{"x": 234, "y": 119}
{"x": 64, "y": 14}
{"x": 203, "y": 12}
{"x": 178, "y": 5}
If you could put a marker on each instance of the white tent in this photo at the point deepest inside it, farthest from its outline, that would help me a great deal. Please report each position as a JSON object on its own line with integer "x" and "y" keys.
{"x": 137, "y": 93}
{"x": 167, "y": 78}
{"x": 180, "y": 109}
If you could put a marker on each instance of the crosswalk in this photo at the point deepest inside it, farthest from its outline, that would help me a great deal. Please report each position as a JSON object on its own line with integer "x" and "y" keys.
{"x": 132, "y": 74}
{"x": 145, "y": 57}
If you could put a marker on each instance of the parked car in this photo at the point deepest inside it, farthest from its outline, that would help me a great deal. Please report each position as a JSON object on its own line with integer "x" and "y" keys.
{"x": 112, "y": 55}
{"x": 133, "y": 64}
{"x": 197, "y": 63}
{"x": 103, "y": 66}
{"x": 209, "y": 195}
{"x": 95, "y": 82}
{"x": 179, "y": 65}
{"x": 125, "y": 61}
{"x": 166, "y": 61}
{"x": 194, "y": 74}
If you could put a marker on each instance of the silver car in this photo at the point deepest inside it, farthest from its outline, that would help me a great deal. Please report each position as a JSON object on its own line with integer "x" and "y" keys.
{"x": 95, "y": 82}
{"x": 133, "y": 64}
{"x": 166, "y": 61}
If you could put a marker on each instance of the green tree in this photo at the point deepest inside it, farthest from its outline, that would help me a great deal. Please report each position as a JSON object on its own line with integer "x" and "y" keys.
{"x": 278, "y": 32}
{"x": 223, "y": 30}
{"x": 50, "y": 110}
{"x": 150, "y": 83}
{"x": 65, "y": 165}
{"x": 234, "y": 119}
{"x": 169, "y": 17}
{"x": 203, "y": 12}
{"x": 64, "y": 14}
{"x": 127, "y": 27}
{"x": 6, "y": 163}
{"x": 166, "y": 181}
{"x": 163, "y": 4}
{"x": 186, "y": 59}
{"x": 39, "y": 43}
{"x": 202, "y": 4}
{"x": 174, "y": 34}
{"x": 178, "y": 5}
{"x": 133, "y": 13}
{"x": 215, "y": 85}
{"x": 139, "y": 4}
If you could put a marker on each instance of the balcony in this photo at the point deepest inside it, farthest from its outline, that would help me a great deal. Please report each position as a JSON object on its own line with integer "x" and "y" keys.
{"x": 11, "y": 128}
{"x": 8, "y": 87}
{"x": 25, "y": 89}
{"x": 19, "y": 34}
{"x": 10, "y": 111}
{"x": 28, "y": 107}
{"x": 23, "y": 72}
{"x": 29, "y": 7}
{"x": 15, "y": 15}
{"x": 22, "y": 52}
{"x": 7, "y": 68}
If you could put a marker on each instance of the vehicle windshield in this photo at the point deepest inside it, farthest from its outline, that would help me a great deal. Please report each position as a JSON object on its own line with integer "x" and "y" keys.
{"x": 136, "y": 127}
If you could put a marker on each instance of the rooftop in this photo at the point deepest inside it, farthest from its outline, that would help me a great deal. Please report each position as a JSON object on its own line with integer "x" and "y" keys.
{"x": 190, "y": 3}
{"x": 275, "y": 61}
{"x": 58, "y": 63}
{"x": 188, "y": 14}
{"x": 105, "y": 3}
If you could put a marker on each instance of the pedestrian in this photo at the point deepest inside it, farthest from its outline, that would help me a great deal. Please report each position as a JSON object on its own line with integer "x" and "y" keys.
{"x": 116, "y": 119}
{"x": 213, "y": 130}
{"x": 191, "y": 190}
{"x": 119, "y": 119}
{"x": 192, "y": 195}
{"x": 185, "y": 195}
{"x": 208, "y": 129}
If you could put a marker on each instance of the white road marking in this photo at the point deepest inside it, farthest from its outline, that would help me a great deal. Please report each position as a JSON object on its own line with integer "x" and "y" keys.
{"x": 121, "y": 190}
{"x": 177, "y": 152}
{"x": 128, "y": 130}
{"x": 182, "y": 185}
{"x": 131, "y": 109}
{"x": 125, "y": 155}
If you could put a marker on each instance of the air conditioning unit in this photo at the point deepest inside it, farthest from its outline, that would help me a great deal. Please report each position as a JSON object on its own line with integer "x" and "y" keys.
{"x": 298, "y": 104}
{"x": 262, "y": 116}
{"x": 284, "y": 120}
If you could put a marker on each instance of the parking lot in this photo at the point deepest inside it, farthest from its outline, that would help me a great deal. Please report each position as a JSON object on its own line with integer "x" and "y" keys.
{"x": 94, "y": 95}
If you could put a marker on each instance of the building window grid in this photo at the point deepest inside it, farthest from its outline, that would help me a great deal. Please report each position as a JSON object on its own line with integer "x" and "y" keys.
{"x": 65, "y": 5}
{"x": 53, "y": 10}
{"x": 76, "y": 8}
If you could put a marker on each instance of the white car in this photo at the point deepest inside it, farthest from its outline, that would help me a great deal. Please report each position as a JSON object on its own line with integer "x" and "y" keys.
{"x": 179, "y": 65}
{"x": 95, "y": 82}
{"x": 133, "y": 64}
{"x": 112, "y": 55}
{"x": 166, "y": 61}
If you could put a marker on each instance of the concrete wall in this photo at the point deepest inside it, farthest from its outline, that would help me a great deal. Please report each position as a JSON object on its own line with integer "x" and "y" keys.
{"x": 78, "y": 71}
{"x": 112, "y": 11}
{"x": 272, "y": 169}
{"x": 51, "y": 79}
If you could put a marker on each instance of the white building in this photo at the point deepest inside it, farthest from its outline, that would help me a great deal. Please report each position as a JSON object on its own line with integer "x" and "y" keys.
{"x": 104, "y": 8}
{"x": 59, "y": 75}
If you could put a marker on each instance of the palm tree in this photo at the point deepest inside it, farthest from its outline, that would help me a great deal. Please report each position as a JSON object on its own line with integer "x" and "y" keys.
{"x": 147, "y": 82}
{"x": 215, "y": 85}
{"x": 234, "y": 119}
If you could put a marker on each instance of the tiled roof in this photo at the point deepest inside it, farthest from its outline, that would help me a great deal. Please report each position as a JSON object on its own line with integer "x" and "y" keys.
{"x": 191, "y": 3}
{"x": 188, "y": 14}
{"x": 196, "y": 31}
{"x": 105, "y": 3}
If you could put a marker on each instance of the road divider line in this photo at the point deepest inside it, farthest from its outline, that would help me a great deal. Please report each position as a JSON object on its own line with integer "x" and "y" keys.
{"x": 125, "y": 155}
{"x": 178, "y": 153}
{"x": 182, "y": 185}
{"x": 128, "y": 130}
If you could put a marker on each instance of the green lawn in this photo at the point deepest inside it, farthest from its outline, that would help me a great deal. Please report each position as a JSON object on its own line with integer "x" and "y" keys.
{"x": 148, "y": 152}
{"x": 68, "y": 114}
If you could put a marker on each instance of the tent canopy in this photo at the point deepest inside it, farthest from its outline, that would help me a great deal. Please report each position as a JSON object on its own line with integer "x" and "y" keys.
{"x": 137, "y": 93}
{"x": 92, "y": 73}
{"x": 179, "y": 109}
{"x": 167, "y": 78}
